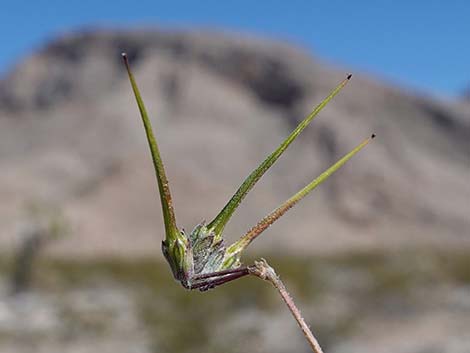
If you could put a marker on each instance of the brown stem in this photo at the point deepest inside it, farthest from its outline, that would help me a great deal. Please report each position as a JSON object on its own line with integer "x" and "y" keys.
{"x": 209, "y": 283}
{"x": 262, "y": 270}
{"x": 221, "y": 273}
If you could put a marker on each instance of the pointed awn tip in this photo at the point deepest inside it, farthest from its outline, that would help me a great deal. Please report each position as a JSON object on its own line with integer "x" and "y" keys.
{"x": 349, "y": 76}
{"x": 124, "y": 57}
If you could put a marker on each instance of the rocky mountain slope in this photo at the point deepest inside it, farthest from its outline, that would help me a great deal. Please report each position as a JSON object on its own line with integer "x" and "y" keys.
{"x": 71, "y": 141}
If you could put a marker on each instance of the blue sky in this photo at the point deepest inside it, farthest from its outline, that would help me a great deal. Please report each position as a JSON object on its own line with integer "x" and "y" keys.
{"x": 421, "y": 45}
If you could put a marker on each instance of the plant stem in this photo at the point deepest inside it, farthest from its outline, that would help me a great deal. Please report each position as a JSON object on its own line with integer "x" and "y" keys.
{"x": 262, "y": 270}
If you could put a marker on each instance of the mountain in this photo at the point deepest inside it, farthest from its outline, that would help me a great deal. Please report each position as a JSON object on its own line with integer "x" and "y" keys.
{"x": 72, "y": 145}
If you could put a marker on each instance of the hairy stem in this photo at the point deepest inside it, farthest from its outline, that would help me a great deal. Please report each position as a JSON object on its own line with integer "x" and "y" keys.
{"x": 262, "y": 270}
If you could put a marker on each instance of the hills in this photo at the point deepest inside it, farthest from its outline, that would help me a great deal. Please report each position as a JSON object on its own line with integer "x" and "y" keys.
{"x": 71, "y": 141}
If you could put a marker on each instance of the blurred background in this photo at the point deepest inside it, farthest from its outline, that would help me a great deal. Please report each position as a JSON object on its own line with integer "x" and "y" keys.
{"x": 377, "y": 258}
